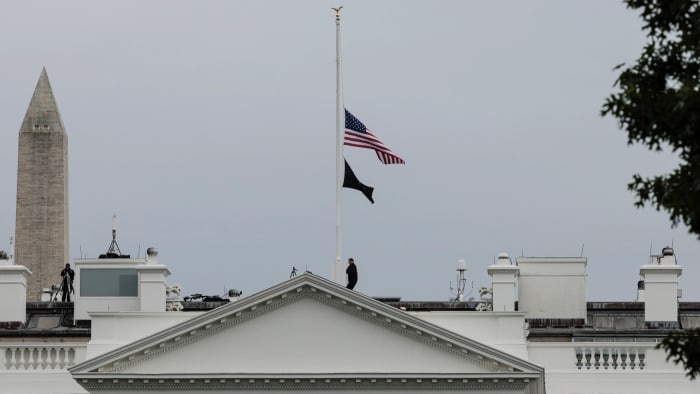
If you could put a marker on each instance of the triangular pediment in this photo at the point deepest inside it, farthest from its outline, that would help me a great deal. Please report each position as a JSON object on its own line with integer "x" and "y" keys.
{"x": 306, "y": 327}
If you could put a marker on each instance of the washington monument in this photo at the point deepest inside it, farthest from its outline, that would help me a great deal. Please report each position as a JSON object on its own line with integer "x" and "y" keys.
{"x": 41, "y": 231}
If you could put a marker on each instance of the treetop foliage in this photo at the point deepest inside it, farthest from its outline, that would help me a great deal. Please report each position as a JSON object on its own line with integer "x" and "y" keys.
{"x": 658, "y": 105}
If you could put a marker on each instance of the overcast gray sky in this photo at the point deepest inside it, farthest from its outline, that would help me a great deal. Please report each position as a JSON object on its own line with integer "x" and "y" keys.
{"x": 209, "y": 129}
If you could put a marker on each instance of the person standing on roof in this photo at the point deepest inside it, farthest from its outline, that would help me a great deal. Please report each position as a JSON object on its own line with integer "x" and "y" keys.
{"x": 351, "y": 273}
{"x": 67, "y": 275}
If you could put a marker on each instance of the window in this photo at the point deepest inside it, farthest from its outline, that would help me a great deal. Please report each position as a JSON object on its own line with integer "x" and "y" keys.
{"x": 108, "y": 282}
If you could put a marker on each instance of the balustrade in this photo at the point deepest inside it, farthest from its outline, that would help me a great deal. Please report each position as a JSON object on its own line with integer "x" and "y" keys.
{"x": 25, "y": 357}
{"x": 611, "y": 357}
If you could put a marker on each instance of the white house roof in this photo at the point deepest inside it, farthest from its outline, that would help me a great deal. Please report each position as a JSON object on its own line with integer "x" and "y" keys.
{"x": 310, "y": 333}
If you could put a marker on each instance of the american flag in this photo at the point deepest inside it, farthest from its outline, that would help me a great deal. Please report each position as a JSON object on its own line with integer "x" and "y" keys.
{"x": 357, "y": 135}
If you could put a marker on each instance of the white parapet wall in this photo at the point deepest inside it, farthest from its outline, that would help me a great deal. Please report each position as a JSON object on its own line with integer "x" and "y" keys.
{"x": 113, "y": 330}
{"x": 39, "y": 367}
{"x": 40, "y": 356}
{"x": 502, "y": 330}
{"x": 552, "y": 287}
{"x": 609, "y": 367}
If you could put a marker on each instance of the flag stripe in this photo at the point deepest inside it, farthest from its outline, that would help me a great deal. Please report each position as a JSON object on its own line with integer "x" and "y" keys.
{"x": 359, "y": 136}
{"x": 367, "y": 137}
{"x": 363, "y": 143}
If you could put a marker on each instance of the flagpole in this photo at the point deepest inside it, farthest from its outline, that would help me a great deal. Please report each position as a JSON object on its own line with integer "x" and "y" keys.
{"x": 338, "y": 271}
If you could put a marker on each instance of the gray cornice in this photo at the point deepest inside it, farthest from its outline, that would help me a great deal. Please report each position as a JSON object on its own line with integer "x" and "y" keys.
{"x": 97, "y": 382}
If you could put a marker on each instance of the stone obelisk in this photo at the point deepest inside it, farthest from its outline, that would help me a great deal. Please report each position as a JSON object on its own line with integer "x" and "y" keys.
{"x": 41, "y": 234}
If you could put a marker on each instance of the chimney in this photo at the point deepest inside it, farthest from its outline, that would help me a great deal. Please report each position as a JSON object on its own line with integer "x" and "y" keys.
{"x": 503, "y": 276}
{"x": 151, "y": 256}
{"x": 152, "y": 283}
{"x": 661, "y": 287}
{"x": 13, "y": 292}
{"x": 640, "y": 290}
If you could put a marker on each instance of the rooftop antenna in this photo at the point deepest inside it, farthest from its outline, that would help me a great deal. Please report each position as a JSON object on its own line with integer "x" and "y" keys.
{"x": 461, "y": 279}
{"x": 114, "y": 247}
{"x": 113, "y": 251}
{"x": 12, "y": 250}
{"x": 582, "y": 245}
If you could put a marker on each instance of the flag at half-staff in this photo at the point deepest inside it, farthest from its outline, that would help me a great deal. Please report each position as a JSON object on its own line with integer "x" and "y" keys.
{"x": 351, "y": 182}
{"x": 358, "y": 135}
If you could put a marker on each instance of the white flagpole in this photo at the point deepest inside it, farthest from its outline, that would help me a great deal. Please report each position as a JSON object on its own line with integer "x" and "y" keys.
{"x": 338, "y": 268}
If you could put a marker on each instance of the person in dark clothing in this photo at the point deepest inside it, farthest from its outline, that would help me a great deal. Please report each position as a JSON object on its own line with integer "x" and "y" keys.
{"x": 351, "y": 273}
{"x": 67, "y": 276}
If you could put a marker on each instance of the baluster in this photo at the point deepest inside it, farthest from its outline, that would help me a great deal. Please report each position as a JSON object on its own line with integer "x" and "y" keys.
{"x": 57, "y": 358}
{"x": 16, "y": 358}
{"x": 43, "y": 355}
{"x": 615, "y": 355}
{"x": 596, "y": 357}
{"x": 28, "y": 358}
{"x": 588, "y": 358}
{"x": 642, "y": 355}
{"x": 34, "y": 357}
{"x": 62, "y": 358}
{"x": 633, "y": 356}
{"x": 606, "y": 357}
{"x": 6, "y": 354}
{"x": 623, "y": 358}
{"x": 9, "y": 358}
{"x": 23, "y": 359}
{"x": 579, "y": 357}
{"x": 53, "y": 357}
{"x": 50, "y": 357}
{"x": 66, "y": 361}
{"x": 71, "y": 356}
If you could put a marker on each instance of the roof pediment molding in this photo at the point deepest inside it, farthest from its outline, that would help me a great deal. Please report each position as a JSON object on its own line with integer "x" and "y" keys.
{"x": 116, "y": 365}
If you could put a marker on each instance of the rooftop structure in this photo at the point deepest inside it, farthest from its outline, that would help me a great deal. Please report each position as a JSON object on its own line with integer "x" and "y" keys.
{"x": 145, "y": 339}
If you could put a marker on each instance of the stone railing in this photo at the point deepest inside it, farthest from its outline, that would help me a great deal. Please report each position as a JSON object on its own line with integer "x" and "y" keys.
{"x": 612, "y": 356}
{"x": 40, "y": 356}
